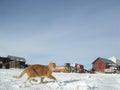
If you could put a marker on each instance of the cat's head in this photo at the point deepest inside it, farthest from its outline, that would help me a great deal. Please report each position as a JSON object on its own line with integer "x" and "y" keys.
{"x": 52, "y": 66}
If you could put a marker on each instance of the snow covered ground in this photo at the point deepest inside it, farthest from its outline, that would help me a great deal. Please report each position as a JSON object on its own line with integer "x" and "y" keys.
{"x": 66, "y": 81}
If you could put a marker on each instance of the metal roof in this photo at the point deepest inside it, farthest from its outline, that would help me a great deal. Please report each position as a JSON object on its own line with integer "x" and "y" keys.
{"x": 16, "y": 58}
{"x": 107, "y": 61}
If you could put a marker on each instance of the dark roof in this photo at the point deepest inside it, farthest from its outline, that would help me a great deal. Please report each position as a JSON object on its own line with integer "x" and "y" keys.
{"x": 16, "y": 58}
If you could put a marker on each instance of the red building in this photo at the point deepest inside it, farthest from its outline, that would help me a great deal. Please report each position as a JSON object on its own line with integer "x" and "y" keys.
{"x": 100, "y": 64}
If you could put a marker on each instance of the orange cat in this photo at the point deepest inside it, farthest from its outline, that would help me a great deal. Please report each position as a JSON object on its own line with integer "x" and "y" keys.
{"x": 38, "y": 70}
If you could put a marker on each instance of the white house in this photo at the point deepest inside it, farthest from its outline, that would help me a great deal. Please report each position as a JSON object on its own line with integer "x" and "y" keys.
{"x": 115, "y": 60}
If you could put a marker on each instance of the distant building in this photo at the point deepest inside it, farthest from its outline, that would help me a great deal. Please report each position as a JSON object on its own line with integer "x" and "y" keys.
{"x": 115, "y": 60}
{"x": 4, "y": 62}
{"x": 70, "y": 67}
{"x": 100, "y": 64}
{"x": 12, "y": 62}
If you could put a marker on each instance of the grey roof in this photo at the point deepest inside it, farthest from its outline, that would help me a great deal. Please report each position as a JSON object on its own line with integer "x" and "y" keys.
{"x": 16, "y": 58}
{"x": 107, "y": 61}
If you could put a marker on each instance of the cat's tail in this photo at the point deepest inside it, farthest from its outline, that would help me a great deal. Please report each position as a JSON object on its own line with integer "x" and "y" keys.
{"x": 21, "y": 74}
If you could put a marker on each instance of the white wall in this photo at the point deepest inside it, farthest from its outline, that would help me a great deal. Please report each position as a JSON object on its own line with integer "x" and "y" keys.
{"x": 115, "y": 60}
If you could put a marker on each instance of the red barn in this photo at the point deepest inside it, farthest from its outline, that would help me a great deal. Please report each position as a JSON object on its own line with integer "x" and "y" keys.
{"x": 100, "y": 64}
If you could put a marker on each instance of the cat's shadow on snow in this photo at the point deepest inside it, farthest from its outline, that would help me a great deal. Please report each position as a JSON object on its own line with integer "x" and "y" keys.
{"x": 67, "y": 81}
{"x": 70, "y": 81}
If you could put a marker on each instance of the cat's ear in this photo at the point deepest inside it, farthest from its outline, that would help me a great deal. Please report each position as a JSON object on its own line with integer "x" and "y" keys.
{"x": 51, "y": 62}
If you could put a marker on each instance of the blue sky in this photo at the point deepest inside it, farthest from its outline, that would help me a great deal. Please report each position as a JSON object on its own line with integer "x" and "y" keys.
{"x": 75, "y": 31}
